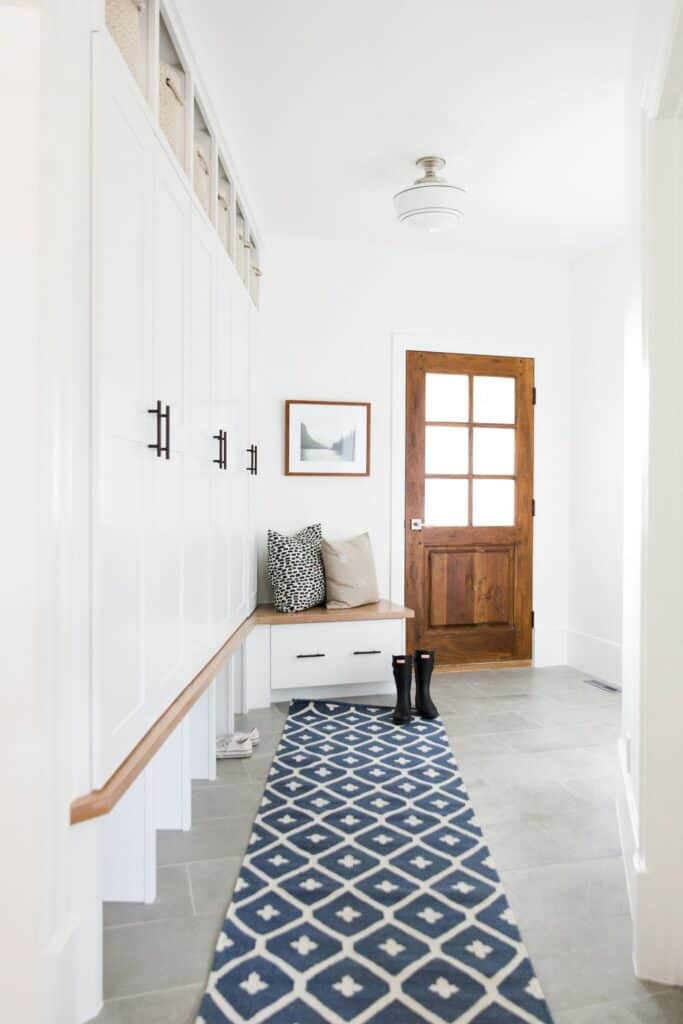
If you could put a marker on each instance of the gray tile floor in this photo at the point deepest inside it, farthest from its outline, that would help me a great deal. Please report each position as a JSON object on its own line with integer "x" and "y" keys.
{"x": 537, "y": 752}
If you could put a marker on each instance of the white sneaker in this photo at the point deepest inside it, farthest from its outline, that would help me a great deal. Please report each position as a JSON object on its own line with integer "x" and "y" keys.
{"x": 231, "y": 746}
{"x": 252, "y": 737}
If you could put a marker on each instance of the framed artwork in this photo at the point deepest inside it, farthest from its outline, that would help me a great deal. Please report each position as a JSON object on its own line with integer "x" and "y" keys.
{"x": 327, "y": 438}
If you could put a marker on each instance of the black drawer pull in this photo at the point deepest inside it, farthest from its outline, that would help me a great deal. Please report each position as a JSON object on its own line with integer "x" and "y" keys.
{"x": 222, "y": 438}
{"x": 219, "y": 437}
{"x": 167, "y": 446}
{"x": 367, "y": 652}
{"x": 162, "y": 413}
{"x": 310, "y": 655}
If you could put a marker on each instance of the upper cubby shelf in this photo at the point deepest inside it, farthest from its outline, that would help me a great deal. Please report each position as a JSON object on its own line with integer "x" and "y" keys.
{"x": 145, "y": 35}
{"x": 127, "y": 23}
{"x": 172, "y": 93}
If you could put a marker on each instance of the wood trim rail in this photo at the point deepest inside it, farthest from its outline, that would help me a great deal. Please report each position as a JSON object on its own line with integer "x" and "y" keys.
{"x": 265, "y": 614}
{"x": 102, "y": 801}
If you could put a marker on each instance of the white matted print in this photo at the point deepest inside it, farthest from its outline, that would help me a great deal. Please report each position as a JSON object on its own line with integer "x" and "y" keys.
{"x": 327, "y": 438}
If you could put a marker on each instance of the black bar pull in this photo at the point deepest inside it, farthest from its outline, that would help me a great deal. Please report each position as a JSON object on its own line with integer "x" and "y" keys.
{"x": 253, "y": 459}
{"x": 156, "y": 411}
{"x": 225, "y": 449}
{"x": 219, "y": 461}
{"x": 167, "y": 447}
{"x": 255, "y": 447}
{"x": 367, "y": 652}
{"x": 310, "y": 655}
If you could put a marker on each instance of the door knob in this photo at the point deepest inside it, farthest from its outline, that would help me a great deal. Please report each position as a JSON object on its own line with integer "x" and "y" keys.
{"x": 415, "y": 524}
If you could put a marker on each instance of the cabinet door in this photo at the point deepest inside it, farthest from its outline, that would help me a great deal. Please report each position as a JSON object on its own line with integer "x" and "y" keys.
{"x": 119, "y": 693}
{"x": 122, "y": 189}
{"x": 221, "y": 482}
{"x": 164, "y": 490}
{"x": 122, "y": 168}
{"x": 170, "y": 292}
{"x": 201, "y": 447}
{"x": 240, "y": 528}
{"x": 251, "y": 539}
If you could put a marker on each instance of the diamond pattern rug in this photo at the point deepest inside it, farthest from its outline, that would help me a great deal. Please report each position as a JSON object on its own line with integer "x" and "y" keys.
{"x": 367, "y": 893}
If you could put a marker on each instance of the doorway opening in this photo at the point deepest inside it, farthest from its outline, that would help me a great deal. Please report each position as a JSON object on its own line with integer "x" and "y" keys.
{"x": 469, "y": 507}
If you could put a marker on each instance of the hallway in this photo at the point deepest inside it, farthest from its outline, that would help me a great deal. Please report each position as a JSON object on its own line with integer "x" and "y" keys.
{"x": 537, "y": 749}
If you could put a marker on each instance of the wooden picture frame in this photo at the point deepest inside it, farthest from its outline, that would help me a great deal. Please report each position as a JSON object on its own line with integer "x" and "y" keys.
{"x": 327, "y": 438}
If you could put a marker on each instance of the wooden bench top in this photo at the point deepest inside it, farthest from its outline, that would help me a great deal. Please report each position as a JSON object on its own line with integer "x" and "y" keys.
{"x": 100, "y": 801}
{"x": 265, "y": 614}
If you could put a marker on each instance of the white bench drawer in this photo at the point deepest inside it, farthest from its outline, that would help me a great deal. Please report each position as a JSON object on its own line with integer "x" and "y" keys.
{"x": 333, "y": 653}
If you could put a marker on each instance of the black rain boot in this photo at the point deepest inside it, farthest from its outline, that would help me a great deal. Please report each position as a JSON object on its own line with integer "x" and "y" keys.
{"x": 402, "y": 665}
{"x": 424, "y": 665}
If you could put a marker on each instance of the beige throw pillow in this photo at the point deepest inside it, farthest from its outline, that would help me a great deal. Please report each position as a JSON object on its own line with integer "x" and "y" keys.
{"x": 350, "y": 578}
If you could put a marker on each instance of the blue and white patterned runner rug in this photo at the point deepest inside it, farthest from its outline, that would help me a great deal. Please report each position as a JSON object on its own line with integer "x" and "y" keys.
{"x": 367, "y": 893}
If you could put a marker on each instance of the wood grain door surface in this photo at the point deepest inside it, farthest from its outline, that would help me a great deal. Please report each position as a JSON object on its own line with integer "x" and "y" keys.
{"x": 469, "y": 506}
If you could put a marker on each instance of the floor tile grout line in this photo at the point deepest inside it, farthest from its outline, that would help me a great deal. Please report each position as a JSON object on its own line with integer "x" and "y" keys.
{"x": 155, "y": 992}
{"x": 189, "y": 884}
{"x": 156, "y": 920}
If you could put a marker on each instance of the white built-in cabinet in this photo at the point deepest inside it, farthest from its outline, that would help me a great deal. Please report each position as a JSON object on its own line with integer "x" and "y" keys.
{"x": 173, "y": 551}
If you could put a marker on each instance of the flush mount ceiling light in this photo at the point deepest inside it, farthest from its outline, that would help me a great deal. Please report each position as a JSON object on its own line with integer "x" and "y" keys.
{"x": 430, "y": 203}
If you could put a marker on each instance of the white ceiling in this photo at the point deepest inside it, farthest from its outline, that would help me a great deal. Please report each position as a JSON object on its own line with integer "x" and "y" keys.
{"x": 331, "y": 102}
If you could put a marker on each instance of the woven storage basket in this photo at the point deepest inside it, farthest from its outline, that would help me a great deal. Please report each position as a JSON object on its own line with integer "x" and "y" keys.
{"x": 223, "y": 215}
{"x": 202, "y": 180}
{"x": 172, "y": 107}
{"x": 123, "y": 21}
{"x": 241, "y": 249}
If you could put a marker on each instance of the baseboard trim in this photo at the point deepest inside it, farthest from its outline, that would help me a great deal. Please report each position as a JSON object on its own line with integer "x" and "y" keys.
{"x": 627, "y": 820}
{"x": 332, "y": 692}
{"x": 595, "y": 656}
{"x": 482, "y": 666}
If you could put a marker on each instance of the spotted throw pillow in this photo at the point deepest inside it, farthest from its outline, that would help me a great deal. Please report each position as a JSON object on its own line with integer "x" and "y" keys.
{"x": 295, "y": 569}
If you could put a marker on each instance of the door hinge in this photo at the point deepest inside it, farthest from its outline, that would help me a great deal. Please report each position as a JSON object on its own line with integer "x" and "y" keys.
{"x": 533, "y": 619}
{"x": 533, "y": 396}
{"x": 533, "y": 506}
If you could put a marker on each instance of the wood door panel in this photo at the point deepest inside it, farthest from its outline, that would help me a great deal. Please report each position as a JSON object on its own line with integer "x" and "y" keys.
{"x": 468, "y": 646}
{"x": 470, "y": 585}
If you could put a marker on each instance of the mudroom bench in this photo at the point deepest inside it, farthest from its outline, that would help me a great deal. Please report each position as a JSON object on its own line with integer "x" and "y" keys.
{"x": 323, "y": 651}
{"x": 270, "y": 657}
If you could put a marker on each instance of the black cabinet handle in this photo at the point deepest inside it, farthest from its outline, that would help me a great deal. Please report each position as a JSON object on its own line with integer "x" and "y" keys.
{"x": 219, "y": 461}
{"x": 222, "y": 438}
{"x": 162, "y": 449}
{"x": 310, "y": 655}
{"x": 167, "y": 447}
{"x": 156, "y": 411}
{"x": 253, "y": 459}
{"x": 367, "y": 652}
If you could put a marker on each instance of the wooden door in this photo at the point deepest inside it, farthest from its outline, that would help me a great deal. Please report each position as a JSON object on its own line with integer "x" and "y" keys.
{"x": 469, "y": 475}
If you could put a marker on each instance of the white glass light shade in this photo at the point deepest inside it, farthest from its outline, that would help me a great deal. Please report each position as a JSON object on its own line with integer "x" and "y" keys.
{"x": 430, "y": 206}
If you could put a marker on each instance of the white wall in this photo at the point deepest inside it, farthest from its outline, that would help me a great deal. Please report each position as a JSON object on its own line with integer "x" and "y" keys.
{"x": 23, "y": 811}
{"x": 596, "y": 317}
{"x": 649, "y": 795}
{"x": 328, "y": 315}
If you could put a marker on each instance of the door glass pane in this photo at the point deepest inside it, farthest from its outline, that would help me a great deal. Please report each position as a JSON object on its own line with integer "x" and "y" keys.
{"x": 446, "y": 450}
{"x": 493, "y": 503}
{"x": 447, "y": 397}
{"x": 493, "y": 451}
{"x": 446, "y": 502}
{"x": 494, "y": 400}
